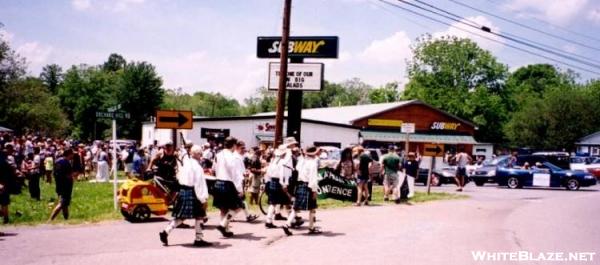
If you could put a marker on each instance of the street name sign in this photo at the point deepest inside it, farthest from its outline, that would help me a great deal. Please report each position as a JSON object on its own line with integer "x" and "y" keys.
{"x": 300, "y": 76}
{"x": 112, "y": 115}
{"x": 174, "y": 119}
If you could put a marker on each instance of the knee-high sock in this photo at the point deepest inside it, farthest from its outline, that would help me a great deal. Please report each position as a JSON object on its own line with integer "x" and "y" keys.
{"x": 311, "y": 219}
{"x": 225, "y": 221}
{"x": 199, "y": 234}
{"x": 172, "y": 225}
{"x": 270, "y": 213}
{"x": 278, "y": 209}
{"x": 411, "y": 186}
{"x": 291, "y": 218}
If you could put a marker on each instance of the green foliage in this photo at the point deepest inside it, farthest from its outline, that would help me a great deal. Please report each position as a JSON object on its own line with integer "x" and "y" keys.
{"x": 139, "y": 91}
{"x": 28, "y": 106}
{"x": 52, "y": 77}
{"x": 202, "y": 103}
{"x": 12, "y": 66}
{"x": 387, "y": 93}
{"x": 459, "y": 77}
{"x": 85, "y": 90}
{"x": 114, "y": 63}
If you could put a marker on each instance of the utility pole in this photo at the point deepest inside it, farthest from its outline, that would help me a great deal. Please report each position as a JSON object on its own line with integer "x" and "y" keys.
{"x": 283, "y": 48}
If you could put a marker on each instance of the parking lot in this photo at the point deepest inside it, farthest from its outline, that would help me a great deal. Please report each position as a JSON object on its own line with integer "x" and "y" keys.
{"x": 492, "y": 219}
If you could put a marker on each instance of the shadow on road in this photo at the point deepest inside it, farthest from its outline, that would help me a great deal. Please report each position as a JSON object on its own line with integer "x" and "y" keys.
{"x": 215, "y": 245}
{"x": 3, "y": 234}
{"x": 248, "y": 236}
{"x": 326, "y": 234}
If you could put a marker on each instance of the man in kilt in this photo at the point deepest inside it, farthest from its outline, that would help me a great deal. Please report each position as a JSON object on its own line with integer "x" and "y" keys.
{"x": 193, "y": 194}
{"x": 228, "y": 190}
{"x": 241, "y": 172}
{"x": 277, "y": 177}
{"x": 306, "y": 191}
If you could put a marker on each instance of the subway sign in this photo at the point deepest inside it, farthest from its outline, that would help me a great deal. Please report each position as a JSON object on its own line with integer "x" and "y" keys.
{"x": 299, "y": 47}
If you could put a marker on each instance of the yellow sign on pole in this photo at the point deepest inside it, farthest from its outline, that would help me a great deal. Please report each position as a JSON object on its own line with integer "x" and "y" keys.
{"x": 433, "y": 150}
{"x": 174, "y": 119}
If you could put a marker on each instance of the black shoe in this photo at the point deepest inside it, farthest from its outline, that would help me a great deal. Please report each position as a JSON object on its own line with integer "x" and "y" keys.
{"x": 202, "y": 243}
{"x": 270, "y": 225}
{"x": 286, "y": 230}
{"x": 251, "y": 218}
{"x": 298, "y": 223}
{"x": 224, "y": 232}
{"x": 184, "y": 225}
{"x": 279, "y": 217}
{"x": 164, "y": 238}
{"x": 314, "y": 231}
{"x": 385, "y": 199}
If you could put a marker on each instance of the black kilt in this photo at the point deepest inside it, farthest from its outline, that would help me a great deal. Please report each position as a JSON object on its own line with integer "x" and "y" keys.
{"x": 304, "y": 199}
{"x": 276, "y": 193}
{"x": 225, "y": 196}
{"x": 187, "y": 205}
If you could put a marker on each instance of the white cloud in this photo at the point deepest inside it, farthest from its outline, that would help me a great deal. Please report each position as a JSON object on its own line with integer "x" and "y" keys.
{"x": 487, "y": 44}
{"x": 560, "y": 12}
{"x": 7, "y": 36}
{"x": 594, "y": 15}
{"x": 392, "y": 50}
{"x": 36, "y": 54}
{"x": 105, "y": 5}
{"x": 81, "y": 4}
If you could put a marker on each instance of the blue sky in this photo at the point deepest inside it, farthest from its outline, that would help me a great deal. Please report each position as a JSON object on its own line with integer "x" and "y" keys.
{"x": 210, "y": 45}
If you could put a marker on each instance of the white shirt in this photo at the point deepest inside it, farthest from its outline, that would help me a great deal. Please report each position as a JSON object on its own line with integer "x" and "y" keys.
{"x": 192, "y": 175}
{"x": 225, "y": 168}
{"x": 239, "y": 170}
{"x": 277, "y": 169}
{"x": 308, "y": 171}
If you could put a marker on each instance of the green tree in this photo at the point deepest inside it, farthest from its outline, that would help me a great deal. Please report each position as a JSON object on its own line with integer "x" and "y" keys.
{"x": 455, "y": 75}
{"x": 532, "y": 81}
{"x": 12, "y": 66}
{"x": 139, "y": 91}
{"x": 28, "y": 106}
{"x": 323, "y": 98}
{"x": 114, "y": 63}
{"x": 52, "y": 77}
{"x": 85, "y": 90}
{"x": 387, "y": 93}
{"x": 264, "y": 101}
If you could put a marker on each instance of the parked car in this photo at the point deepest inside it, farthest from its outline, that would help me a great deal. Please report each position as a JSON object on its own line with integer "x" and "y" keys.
{"x": 330, "y": 156}
{"x": 560, "y": 159}
{"x": 594, "y": 167}
{"x": 579, "y": 163}
{"x": 439, "y": 176}
{"x": 546, "y": 175}
{"x": 487, "y": 172}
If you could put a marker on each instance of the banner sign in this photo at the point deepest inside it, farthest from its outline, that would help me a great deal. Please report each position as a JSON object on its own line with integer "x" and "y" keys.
{"x": 300, "y": 76}
{"x": 299, "y": 47}
{"x": 384, "y": 122}
{"x": 336, "y": 187}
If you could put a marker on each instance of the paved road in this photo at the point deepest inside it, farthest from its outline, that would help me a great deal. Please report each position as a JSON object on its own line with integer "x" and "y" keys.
{"x": 445, "y": 232}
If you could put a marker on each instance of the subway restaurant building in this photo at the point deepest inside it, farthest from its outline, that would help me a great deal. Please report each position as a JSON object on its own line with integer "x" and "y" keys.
{"x": 372, "y": 125}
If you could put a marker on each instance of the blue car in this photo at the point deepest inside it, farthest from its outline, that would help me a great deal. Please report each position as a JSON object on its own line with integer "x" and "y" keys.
{"x": 545, "y": 175}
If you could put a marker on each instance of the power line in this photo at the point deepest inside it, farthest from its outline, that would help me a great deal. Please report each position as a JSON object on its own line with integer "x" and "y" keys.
{"x": 477, "y": 25}
{"x": 490, "y": 39}
{"x": 558, "y": 27}
{"x": 488, "y": 30}
{"x": 525, "y": 26}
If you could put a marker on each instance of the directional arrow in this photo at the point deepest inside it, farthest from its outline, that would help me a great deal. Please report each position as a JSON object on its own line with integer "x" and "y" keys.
{"x": 180, "y": 119}
{"x": 436, "y": 150}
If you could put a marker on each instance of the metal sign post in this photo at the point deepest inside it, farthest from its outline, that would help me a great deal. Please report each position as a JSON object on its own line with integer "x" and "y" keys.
{"x": 114, "y": 114}
{"x": 433, "y": 150}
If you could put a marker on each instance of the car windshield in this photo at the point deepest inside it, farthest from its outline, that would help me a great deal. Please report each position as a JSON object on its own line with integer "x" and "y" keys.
{"x": 495, "y": 161}
{"x": 577, "y": 160}
{"x": 552, "y": 166}
{"x": 596, "y": 161}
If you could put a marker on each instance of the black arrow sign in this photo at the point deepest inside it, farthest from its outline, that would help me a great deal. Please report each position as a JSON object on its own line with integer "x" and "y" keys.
{"x": 437, "y": 149}
{"x": 180, "y": 119}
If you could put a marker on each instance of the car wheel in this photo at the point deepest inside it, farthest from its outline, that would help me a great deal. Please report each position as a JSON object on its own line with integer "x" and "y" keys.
{"x": 141, "y": 213}
{"x": 513, "y": 183}
{"x": 435, "y": 180}
{"x": 572, "y": 184}
{"x": 479, "y": 183}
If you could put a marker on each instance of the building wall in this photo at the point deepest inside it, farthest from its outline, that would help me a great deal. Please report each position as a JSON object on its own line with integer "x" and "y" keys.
{"x": 245, "y": 130}
{"x": 423, "y": 117}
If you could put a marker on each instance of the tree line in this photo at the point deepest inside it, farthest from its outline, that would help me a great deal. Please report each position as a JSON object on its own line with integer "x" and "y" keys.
{"x": 538, "y": 106}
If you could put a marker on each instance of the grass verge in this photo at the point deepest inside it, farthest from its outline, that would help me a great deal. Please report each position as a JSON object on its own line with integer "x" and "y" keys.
{"x": 93, "y": 202}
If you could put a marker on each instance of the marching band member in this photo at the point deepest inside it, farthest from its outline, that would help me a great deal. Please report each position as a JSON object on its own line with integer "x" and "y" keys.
{"x": 277, "y": 178}
{"x": 193, "y": 193}
{"x": 306, "y": 190}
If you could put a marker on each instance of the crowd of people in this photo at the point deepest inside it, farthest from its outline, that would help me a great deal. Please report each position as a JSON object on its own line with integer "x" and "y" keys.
{"x": 288, "y": 174}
